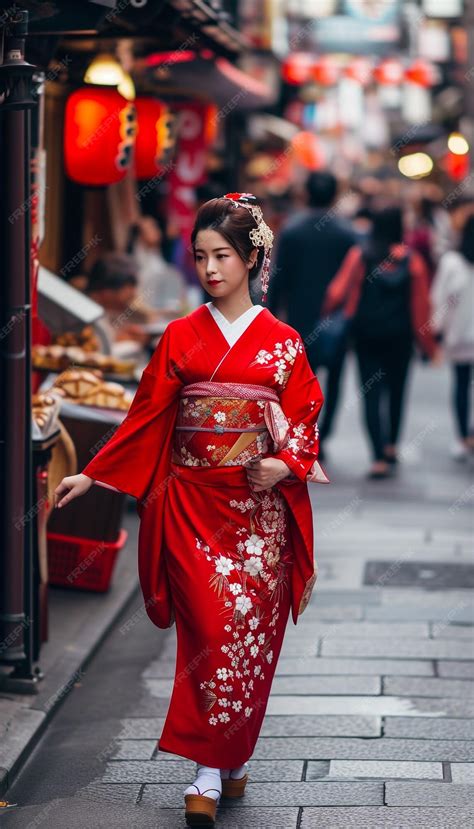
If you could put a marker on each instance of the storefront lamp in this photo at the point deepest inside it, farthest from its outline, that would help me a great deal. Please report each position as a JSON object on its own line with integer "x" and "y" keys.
{"x": 104, "y": 70}
{"x": 457, "y": 144}
{"x": 415, "y": 165}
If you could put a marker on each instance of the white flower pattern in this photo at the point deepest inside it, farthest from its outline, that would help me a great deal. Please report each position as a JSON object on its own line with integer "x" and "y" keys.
{"x": 262, "y": 559}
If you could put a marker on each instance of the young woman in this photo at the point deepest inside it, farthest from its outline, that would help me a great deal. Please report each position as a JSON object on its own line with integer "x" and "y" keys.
{"x": 218, "y": 446}
{"x": 452, "y": 293}
{"x": 383, "y": 288}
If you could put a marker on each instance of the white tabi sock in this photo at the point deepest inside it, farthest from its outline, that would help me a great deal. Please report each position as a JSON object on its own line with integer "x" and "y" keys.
{"x": 207, "y": 782}
{"x": 234, "y": 774}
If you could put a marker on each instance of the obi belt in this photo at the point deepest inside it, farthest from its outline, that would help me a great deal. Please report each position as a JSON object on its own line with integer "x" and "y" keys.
{"x": 230, "y": 424}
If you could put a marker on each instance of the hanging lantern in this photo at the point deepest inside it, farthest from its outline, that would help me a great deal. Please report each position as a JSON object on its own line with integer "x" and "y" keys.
{"x": 325, "y": 71}
{"x": 296, "y": 69}
{"x": 99, "y": 133}
{"x": 155, "y": 136}
{"x": 307, "y": 150}
{"x": 456, "y": 166}
{"x": 422, "y": 73}
{"x": 389, "y": 72}
{"x": 359, "y": 70}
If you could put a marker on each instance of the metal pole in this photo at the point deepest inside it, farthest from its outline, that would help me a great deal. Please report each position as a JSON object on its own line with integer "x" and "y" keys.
{"x": 16, "y": 101}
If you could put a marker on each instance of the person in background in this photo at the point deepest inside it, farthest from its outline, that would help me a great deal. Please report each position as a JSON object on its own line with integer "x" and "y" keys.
{"x": 310, "y": 250}
{"x": 160, "y": 283}
{"x": 383, "y": 288}
{"x": 420, "y": 237}
{"x": 113, "y": 283}
{"x": 452, "y": 294}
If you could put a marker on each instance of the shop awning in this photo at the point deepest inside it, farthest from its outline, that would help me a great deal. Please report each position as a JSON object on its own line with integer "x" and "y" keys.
{"x": 213, "y": 77}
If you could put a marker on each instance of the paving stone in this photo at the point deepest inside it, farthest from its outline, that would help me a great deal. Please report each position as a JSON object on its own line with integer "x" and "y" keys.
{"x": 230, "y": 817}
{"x": 309, "y": 726}
{"x": 428, "y": 794}
{"x": 381, "y": 768}
{"x": 434, "y": 575}
{"x": 456, "y": 669}
{"x": 417, "y": 613}
{"x": 383, "y": 817}
{"x": 283, "y": 794}
{"x": 137, "y": 771}
{"x": 417, "y": 648}
{"x": 462, "y": 772}
{"x": 427, "y": 687}
{"x": 429, "y": 728}
{"x": 376, "y": 706}
{"x": 370, "y": 596}
{"x": 331, "y": 612}
{"x": 182, "y": 771}
{"x": 140, "y": 728}
{"x": 439, "y": 631}
{"x": 332, "y": 665}
{"x": 134, "y": 750}
{"x": 352, "y": 748}
{"x": 360, "y": 629}
{"x": 85, "y": 811}
{"x": 354, "y": 685}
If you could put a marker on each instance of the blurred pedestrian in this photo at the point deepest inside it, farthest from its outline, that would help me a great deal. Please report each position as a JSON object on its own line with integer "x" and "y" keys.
{"x": 310, "y": 251}
{"x": 160, "y": 283}
{"x": 113, "y": 283}
{"x": 453, "y": 304}
{"x": 383, "y": 288}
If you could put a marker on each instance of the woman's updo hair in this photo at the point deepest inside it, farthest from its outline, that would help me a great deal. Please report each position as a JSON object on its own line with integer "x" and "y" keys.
{"x": 233, "y": 224}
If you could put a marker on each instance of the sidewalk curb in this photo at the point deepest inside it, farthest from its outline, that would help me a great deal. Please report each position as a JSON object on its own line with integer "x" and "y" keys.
{"x": 26, "y": 727}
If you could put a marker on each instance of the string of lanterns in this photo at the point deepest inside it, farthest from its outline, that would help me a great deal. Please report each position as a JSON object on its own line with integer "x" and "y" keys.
{"x": 301, "y": 67}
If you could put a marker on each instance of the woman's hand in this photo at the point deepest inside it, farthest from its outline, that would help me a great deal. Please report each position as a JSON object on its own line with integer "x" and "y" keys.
{"x": 265, "y": 473}
{"x": 74, "y": 485}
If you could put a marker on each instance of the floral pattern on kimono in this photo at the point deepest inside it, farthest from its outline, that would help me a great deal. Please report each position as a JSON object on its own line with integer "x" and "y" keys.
{"x": 249, "y": 581}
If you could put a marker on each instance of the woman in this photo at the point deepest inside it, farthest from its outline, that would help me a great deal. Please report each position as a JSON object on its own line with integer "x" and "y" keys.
{"x": 383, "y": 289}
{"x": 453, "y": 301}
{"x": 217, "y": 447}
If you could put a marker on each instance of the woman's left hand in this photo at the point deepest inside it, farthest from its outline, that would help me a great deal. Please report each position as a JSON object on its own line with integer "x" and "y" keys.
{"x": 265, "y": 473}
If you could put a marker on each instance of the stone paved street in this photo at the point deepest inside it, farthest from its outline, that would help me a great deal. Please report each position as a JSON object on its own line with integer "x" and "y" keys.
{"x": 371, "y": 719}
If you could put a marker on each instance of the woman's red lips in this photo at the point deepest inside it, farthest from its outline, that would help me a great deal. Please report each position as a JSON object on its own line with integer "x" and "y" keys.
{"x": 214, "y": 281}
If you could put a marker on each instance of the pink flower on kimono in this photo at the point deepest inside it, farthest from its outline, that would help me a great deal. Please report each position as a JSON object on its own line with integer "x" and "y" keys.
{"x": 254, "y": 545}
{"x": 243, "y": 604}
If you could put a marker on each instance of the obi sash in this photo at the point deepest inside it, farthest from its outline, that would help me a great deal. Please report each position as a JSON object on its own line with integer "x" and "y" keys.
{"x": 230, "y": 424}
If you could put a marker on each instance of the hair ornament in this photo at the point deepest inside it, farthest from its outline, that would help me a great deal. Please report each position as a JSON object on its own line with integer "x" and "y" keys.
{"x": 260, "y": 236}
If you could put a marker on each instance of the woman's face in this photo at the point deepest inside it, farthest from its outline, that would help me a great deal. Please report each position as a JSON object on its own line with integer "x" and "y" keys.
{"x": 219, "y": 267}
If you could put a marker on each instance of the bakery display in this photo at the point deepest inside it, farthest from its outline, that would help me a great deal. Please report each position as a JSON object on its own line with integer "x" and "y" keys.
{"x": 58, "y": 357}
{"x": 88, "y": 388}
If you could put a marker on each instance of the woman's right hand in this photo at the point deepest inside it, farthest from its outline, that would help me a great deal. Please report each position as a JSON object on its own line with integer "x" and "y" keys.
{"x": 73, "y": 485}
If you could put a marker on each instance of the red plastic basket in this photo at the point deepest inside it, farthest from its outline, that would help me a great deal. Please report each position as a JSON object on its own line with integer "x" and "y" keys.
{"x": 82, "y": 563}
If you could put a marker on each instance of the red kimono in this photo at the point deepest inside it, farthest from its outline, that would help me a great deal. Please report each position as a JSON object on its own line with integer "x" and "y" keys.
{"x": 225, "y": 563}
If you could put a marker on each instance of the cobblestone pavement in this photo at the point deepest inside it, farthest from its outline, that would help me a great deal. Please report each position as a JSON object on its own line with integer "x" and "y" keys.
{"x": 370, "y": 721}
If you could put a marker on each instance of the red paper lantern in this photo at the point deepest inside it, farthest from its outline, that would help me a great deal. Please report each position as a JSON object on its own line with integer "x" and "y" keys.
{"x": 422, "y": 73}
{"x": 325, "y": 71}
{"x": 155, "y": 136}
{"x": 296, "y": 69}
{"x": 307, "y": 150}
{"x": 389, "y": 72}
{"x": 456, "y": 166}
{"x": 360, "y": 70}
{"x": 99, "y": 133}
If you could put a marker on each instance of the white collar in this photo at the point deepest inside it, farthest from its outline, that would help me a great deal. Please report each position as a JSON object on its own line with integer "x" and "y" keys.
{"x": 233, "y": 330}
{"x": 253, "y": 310}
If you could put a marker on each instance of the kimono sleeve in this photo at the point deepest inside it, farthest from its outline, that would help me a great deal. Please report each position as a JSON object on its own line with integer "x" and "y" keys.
{"x": 301, "y": 401}
{"x": 128, "y": 460}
